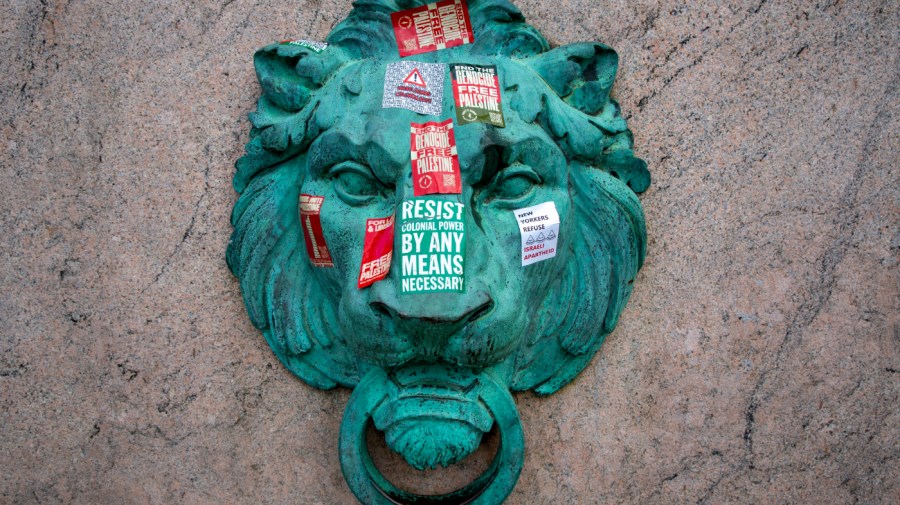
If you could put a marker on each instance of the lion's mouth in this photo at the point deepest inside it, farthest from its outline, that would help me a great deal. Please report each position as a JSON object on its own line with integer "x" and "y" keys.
{"x": 433, "y": 415}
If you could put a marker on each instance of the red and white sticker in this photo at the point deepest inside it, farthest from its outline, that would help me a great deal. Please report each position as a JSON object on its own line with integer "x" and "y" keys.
{"x": 432, "y": 27}
{"x": 310, "y": 207}
{"x": 378, "y": 250}
{"x": 415, "y": 78}
{"x": 435, "y": 164}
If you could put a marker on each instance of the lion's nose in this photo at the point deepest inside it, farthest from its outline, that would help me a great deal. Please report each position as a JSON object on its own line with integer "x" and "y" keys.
{"x": 433, "y": 318}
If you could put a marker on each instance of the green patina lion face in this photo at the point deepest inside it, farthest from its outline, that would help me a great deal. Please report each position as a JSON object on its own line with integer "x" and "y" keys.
{"x": 434, "y": 371}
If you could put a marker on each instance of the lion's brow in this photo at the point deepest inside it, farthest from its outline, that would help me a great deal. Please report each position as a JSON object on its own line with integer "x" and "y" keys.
{"x": 333, "y": 147}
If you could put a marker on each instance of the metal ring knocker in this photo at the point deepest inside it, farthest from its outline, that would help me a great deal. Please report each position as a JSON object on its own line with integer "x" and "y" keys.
{"x": 372, "y": 488}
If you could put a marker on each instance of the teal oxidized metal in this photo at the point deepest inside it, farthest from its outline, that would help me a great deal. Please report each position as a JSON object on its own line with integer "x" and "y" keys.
{"x": 433, "y": 369}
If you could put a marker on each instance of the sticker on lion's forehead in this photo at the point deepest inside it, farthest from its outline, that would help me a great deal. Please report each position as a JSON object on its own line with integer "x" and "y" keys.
{"x": 476, "y": 91}
{"x": 433, "y": 246}
{"x": 539, "y": 227}
{"x": 378, "y": 250}
{"x": 435, "y": 163}
{"x": 416, "y": 86}
{"x": 310, "y": 207}
{"x": 432, "y": 27}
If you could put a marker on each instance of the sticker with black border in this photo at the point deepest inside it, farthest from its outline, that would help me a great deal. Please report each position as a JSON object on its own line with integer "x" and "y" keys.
{"x": 476, "y": 91}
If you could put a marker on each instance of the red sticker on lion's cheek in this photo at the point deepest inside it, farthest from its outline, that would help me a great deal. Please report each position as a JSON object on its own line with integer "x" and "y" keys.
{"x": 432, "y": 27}
{"x": 435, "y": 163}
{"x": 378, "y": 250}
{"x": 310, "y": 207}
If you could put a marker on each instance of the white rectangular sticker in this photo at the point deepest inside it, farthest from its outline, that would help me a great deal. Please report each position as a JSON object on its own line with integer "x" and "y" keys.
{"x": 314, "y": 46}
{"x": 416, "y": 86}
{"x": 539, "y": 226}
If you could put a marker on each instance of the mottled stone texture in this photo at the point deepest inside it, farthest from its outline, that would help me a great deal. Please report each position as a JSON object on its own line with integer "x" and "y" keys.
{"x": 757, "y": 361}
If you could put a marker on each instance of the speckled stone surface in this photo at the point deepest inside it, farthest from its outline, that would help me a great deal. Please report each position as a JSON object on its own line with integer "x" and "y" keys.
{"x": 757, "y": 361}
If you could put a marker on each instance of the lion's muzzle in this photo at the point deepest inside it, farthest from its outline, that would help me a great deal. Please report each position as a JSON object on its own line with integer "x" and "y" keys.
{"x": 432, "y": 319}
{"x": 400, "y": 330}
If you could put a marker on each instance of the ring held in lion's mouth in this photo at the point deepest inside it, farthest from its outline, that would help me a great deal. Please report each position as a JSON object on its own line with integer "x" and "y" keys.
{"x": 381, "y": 392}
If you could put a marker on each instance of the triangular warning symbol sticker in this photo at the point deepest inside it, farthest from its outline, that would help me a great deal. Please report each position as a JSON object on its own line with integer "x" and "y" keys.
{"x": 415, "y": 78}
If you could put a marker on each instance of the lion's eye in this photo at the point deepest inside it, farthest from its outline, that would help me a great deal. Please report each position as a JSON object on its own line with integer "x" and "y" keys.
{"x": 354, "y": 183}
{"x": 515, "y": 183}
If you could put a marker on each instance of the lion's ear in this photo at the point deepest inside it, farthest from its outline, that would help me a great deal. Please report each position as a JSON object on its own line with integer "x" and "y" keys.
{"x": 582, "y": 74}
{"x": 289, "y": 73}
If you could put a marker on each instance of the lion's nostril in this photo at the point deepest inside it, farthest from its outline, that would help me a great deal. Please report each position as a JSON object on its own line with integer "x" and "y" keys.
{"x": 481, "y": 311}
{"x": 431, "y": 314}
{"x": 381, "y": 308}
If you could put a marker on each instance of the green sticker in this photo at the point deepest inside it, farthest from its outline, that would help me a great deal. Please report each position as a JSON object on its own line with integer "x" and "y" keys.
{"x": 432, "y": 246}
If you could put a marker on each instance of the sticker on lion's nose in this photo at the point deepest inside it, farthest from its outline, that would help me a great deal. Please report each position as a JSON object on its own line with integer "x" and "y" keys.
{"x": 476, "y": 90}
{"x": 416, "y": 86}
{"x": 435, "y": 164}
{"x": 310, "y": 207}
{"x": 312, "y": 45}
{"x": 433, "y": 246}
{"x": 539, "y": 226}
{"x": 378, "y": 250}
{"x": 427, "y": 28}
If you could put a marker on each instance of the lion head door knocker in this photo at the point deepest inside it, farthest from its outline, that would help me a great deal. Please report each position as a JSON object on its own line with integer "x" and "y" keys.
{"x": 436, "y": 209}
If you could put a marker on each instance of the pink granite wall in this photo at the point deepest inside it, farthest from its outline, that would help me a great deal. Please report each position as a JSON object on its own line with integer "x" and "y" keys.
{"x": 757, "y": 361}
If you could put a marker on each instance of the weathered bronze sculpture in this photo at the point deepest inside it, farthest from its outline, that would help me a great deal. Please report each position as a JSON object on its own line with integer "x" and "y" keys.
{"x": 432, "y": 362}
